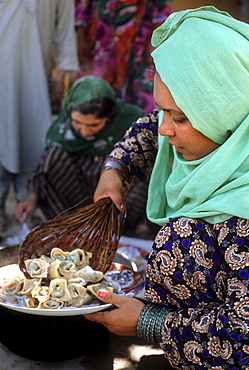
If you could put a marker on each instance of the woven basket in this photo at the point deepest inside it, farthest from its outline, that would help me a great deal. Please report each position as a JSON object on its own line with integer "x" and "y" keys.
{"x": 95, "y": 228}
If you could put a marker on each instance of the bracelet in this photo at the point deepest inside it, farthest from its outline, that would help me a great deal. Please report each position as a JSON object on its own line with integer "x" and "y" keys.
{"x": 111, "y": 164}
{"x": 151, "y": 321}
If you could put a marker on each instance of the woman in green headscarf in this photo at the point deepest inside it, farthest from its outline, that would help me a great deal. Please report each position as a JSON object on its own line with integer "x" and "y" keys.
{"x": 78, "y": 142}
{"x": 197, "y": 278}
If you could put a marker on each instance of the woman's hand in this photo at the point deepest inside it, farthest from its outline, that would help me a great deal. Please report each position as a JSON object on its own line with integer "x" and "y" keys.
{"x": 26, "y": 207}
{"x": 111, "y": 185}
{"x": 123, "y": 319}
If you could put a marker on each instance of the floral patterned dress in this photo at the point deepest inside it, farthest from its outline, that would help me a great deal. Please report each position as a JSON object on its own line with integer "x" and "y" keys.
{"x": 116, "y": 44}
{"x": 199, "y": 270}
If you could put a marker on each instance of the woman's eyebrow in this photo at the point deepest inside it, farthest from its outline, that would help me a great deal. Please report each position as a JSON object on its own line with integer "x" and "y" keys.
{"x": 171, "y": 110}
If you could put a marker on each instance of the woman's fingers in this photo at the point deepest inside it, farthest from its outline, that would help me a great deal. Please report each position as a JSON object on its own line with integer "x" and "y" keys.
{"x": 118, "y": 320}
{"x": 110, "y": 185}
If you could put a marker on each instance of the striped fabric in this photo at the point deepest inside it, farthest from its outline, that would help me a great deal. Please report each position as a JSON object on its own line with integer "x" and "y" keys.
{"x": 63, "y": 180}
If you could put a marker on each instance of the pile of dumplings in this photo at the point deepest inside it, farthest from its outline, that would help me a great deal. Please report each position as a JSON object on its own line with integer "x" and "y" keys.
{"x": 64, "y": 279}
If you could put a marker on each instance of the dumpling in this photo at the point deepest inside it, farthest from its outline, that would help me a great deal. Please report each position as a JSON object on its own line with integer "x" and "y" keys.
{"x": 30, "y": 302}
{"x": 37, "y": 268}
{"x": 41, "y": 293}
{"x": 67, "y": 269}
{"x": 94, "y": 288}
{"x": 80, "y": 257}
{"x": 51, "y": 304}
{"x": 58, "y": 290}
{"x": 45, "y": 258}
{"x": 11, "y": 298}
{"x": 57, "y": 253}
{"x": 76, "y": 289}
{"x": 90, "y": 275}
{"x": 14, "y": 287}
{"x": 29, "y": 285}
{"x": 53, "y": 269}
{"x": 80, "y": 301}
{"x": 77, "y": 280}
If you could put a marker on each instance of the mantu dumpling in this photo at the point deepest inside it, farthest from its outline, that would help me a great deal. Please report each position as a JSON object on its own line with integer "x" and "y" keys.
{"x": 79, "y": 301}
{"x": 77, "y": 280}
{"x": 51, "y": 304}
{"x": 80, "y": 257}
{"x": 61, "y": 269}
{"x": 41, "y": 293}
{"x": 57, "y": 253}
{"x": 90, "y": 275}
{"x": 45, "y": 258}
{"x": 29, "y": 285}
{"x": 11, "y": 298}
{"x": 58, "y": 290}
{"x": 76, "y": 288}
{"x": 30, "y": 302}
{"x": 37, "y": 267}
{"x": 53, "y": 269}
{"x": 13, "y": 287}
{"x": 103, "y": 285}
{"x": 67, "y": 269}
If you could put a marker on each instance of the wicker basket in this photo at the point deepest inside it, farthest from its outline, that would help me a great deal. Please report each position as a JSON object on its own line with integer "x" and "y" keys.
{"x": 95, "y": 228}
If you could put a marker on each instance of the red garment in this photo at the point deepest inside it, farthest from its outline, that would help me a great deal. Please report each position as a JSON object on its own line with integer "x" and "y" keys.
{"x": 114, "y": 42}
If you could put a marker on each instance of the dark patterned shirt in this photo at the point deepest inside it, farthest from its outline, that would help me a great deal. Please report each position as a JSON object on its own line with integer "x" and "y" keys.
{"x": 199, "y": 270}
{"x": 137, "y": 150}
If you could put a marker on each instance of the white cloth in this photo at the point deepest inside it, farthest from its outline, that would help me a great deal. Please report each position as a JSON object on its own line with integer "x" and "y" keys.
{"x": 28, "y": 29}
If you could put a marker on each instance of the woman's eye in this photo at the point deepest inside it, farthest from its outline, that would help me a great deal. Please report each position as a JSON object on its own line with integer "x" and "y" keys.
{"x": 181, "y": 120}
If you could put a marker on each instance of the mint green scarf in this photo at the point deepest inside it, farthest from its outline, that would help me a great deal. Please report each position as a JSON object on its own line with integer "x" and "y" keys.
{"x": 202, "y": 56}
{"x": 63, "y": 133}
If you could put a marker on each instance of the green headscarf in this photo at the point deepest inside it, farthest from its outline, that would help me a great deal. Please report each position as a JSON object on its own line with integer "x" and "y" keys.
{"x": 63, "y": 133}
{"x": 202, "y": 56}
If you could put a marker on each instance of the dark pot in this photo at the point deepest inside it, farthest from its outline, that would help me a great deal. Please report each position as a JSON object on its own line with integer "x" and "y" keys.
{"x": 50, "y": 338}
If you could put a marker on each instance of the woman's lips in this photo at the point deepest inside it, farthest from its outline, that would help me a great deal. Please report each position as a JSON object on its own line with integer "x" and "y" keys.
{"x": 178, "y": 148}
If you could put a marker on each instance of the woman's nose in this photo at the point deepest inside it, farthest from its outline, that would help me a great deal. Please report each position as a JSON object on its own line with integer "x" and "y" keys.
{"x": 166, "y": 127}
{"x": 85, "y": 131}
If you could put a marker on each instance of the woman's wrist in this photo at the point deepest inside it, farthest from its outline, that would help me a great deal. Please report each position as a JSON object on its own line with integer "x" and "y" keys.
{"x": 151, "y": 321}
{"x": 33, "y": 198}
{"x": 114, "y": 164}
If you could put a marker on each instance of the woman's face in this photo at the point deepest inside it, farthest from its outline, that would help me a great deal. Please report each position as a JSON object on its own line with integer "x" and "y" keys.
{"x": 186, "y": 139}
{"x": 87, "y": 124}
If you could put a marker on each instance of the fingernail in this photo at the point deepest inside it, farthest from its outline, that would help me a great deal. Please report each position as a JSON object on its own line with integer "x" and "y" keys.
{"x": 101, "y": 294}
